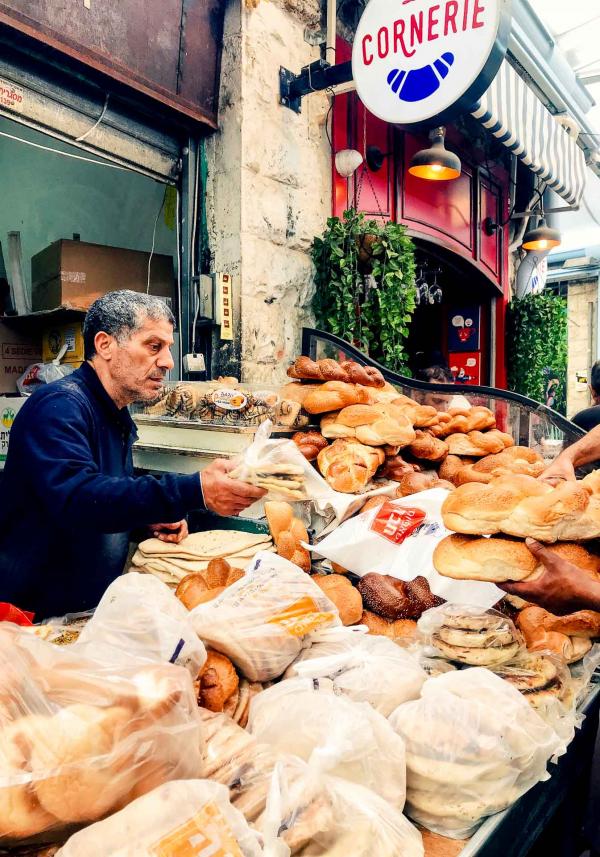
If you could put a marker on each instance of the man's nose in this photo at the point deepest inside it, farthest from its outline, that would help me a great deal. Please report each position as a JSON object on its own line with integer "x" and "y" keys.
{"x": 165, "y": 360}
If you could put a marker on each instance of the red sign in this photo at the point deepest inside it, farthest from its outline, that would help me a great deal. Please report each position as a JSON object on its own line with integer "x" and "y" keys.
{"x": 466, "y": 367}
{"x": 396, "y": 523}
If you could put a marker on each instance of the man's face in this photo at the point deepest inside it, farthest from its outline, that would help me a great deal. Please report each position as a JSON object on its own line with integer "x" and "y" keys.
{"x": 139, "y": 364}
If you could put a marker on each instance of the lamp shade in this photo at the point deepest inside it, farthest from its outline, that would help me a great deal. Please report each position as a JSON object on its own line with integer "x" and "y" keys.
{"x": 347, "y": 161}
{"x": 541, "y": 238}
{"x": 435, "y": 163}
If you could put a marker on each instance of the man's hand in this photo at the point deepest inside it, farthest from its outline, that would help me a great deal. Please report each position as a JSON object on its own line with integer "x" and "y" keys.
{"x": 223, "y": 495}
{"x": 560, "y": 470}
{"x": 174, "y": 533}
{"x": 561, "y": 588}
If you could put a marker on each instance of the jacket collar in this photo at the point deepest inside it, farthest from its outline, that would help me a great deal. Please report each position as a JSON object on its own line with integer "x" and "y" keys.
{"x": 95, "y": 386}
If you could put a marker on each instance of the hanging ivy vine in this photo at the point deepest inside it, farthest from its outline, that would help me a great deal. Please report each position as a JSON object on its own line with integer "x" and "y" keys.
{"x": 537, "y": 347}
{"x": 365, "y": 291}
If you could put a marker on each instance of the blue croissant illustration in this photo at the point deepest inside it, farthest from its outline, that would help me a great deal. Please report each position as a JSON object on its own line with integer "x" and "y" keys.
{"x": 420, "y": 83}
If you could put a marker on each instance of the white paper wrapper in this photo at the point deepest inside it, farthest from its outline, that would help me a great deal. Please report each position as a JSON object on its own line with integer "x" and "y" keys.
{"x": 401, "y": 544}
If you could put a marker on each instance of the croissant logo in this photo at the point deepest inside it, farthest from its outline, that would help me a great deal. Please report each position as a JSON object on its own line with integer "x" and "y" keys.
{"x": 420, "y": 83}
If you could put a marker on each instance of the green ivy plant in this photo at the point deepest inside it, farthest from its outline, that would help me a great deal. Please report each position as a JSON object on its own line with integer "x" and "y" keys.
{"x": 537, "y": 346}
{"x": 365, "y": 285}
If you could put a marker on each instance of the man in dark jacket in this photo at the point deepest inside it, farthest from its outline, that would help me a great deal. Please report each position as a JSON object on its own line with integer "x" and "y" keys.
{"x": 589, "y": 418}
{"x": 69, "y": 495}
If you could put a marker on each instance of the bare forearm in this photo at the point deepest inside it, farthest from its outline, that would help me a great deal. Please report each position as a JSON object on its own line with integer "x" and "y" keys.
{"x": 588, "y": 597}
{"x": 584, "y": 451}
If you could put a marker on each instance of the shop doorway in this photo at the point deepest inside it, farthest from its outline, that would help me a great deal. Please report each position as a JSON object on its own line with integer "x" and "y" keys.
{"x": 451, "y": 325}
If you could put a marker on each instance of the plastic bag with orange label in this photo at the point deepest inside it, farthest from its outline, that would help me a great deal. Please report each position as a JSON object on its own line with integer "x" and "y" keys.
{"x": 260, "y": 622}
{"x": 399, "y": 538}
{"x": 184, "y": 818}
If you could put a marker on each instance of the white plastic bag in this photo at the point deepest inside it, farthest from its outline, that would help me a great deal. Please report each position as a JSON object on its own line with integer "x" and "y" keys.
{"x": 260, "y": 621}
{"x": 39, "y": 374}
{"x": 305, "y": 718}
{"x": 139, "y": 618}
{"x": 399, "y": 539}
{"x": 363, "y": 667}
{"x": 186, "y": 817}
{"x": 315, "y": 815}
{"x": 473, "y": 747}
{"x": 79, "y": 739}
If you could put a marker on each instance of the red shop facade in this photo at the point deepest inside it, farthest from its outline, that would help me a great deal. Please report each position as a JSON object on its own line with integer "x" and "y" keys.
{"x": 447, "y": 220}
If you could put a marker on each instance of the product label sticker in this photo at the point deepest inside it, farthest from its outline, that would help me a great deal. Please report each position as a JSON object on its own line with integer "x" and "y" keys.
{"x": 230, "y": 400}
{"x": 396, "y": 523}
{"x": 207, "y": 834}
{"x": 302, "y": 617}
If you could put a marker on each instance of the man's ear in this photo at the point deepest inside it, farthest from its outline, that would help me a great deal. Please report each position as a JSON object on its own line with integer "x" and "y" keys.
{"x": 104, "y": 344}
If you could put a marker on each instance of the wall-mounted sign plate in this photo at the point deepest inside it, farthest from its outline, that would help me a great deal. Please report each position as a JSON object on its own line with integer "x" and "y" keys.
{"x": 428, "y": 61}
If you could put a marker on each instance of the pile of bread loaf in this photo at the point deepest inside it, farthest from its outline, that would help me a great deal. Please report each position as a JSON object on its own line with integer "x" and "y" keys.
{"x": 364, "y": 422}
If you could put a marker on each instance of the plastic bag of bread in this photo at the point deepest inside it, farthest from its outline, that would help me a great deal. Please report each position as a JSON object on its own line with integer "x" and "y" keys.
{"x": 191, "y": 817}
{"x": 276, "y": 465}
{"x": 315, "y": 815}
{"x": 364, "y": 668}
{"x": 139, "y": 618}
{"x": 260, "y": 621}
{"x": 305, "y": 718}
{"x": 398, "y": 538}
{"x": 79, "y": 739}
{"x": 468, "y": 635}
{"x": 545, "y": 683}
{"x": 474, "y": 745}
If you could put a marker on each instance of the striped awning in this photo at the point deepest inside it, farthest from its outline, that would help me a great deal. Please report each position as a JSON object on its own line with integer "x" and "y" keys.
{"x": 512, "y": 112}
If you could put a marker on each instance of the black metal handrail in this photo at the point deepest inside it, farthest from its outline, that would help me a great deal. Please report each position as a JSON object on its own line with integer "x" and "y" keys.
{"x": 561, "y": 422}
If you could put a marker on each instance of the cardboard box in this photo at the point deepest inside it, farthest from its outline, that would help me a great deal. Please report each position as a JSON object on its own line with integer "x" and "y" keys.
{"x": 74, "y": 274}
{"x": 8, "y": 412}
{"x": 57, "y": 335}
{"x": 18, "y": 350}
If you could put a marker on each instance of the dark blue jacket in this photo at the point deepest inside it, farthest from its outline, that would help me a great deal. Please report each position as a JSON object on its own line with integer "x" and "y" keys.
{"x": 69, "y": 497}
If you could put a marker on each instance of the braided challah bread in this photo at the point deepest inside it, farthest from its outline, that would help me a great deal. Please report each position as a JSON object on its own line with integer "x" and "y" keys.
{"x": 330, "y": 370}
{"x": 348, "y": 466}
{"x": 428, "y": 447}
{"x": 464, "y": 420}
{"x": 478, "y": 443}
{"x": 373, "y": 425}
{"x": 451, "y": 467}
{"x": 421, "y": 416}
{"x": 523, "y": 506}
{"x": 515, "y": 459}
{"x": 334, "y": 395}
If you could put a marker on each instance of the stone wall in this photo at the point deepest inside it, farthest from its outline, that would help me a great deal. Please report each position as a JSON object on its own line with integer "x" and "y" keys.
{"x": 269, "y": 189}
{"x": 583, "y": 336}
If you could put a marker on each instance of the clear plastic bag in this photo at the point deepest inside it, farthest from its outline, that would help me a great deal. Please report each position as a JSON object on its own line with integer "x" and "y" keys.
{"x": 39, "y": 374}
{"x": 305, "y": 718}
{"x": 363, "y": 667}
{"x": 316, "y": 815}
{"x": 545, "y": 682}
{"x": 468, "y": 635}
{"x": 79, "y": 740}
{"x": 260, "y": 621}
{"x": 183, "y": 817}
{"x": 139, "y": 618}
{"x": 276, "y": 465}
{"x": 473, "y": 747}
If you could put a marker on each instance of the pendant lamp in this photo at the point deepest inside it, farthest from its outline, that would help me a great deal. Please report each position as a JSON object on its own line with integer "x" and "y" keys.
{"x": 435, "y": 163}
{"x": 541, "y": 238}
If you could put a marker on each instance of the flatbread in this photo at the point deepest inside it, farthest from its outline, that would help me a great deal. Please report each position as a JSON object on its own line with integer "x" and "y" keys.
{"x": 211, "y": 544}
{"x": 476, "y": 639}
{"x": 476, "y": 657}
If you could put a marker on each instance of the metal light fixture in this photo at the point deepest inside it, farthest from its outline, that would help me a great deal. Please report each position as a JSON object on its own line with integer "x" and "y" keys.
{"x": 347, "y": 161}
{"x": 435, "y": 163}
{"x": 541, "y": 238}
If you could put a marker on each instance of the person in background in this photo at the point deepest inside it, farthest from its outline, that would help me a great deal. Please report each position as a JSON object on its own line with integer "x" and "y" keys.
{"x": 442, "y": 375}
{"x": 70, "y": 497}
{"x": 588, "y": 418}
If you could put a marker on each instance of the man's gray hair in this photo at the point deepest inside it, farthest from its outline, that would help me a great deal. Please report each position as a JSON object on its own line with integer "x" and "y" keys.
{"x": 120, "y": 314}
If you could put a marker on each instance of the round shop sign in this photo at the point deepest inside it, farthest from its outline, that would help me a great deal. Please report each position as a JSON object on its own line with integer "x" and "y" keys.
{"x": 230, "y": 400}
{"x": 416, "y": 61}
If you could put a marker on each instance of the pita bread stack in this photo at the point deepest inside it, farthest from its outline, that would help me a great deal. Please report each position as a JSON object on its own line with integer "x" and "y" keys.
{"x": 170, "y": 562}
